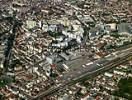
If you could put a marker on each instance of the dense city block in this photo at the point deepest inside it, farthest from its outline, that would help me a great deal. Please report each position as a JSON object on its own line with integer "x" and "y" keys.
{"x": 65, "y": 49}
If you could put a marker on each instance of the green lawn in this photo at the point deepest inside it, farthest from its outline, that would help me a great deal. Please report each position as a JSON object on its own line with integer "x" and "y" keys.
{"x": 125, "y": 88}
{"x": 5, "y": 81}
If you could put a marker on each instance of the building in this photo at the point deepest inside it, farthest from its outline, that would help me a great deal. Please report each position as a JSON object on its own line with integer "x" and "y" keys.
{"x": 112, "y": 27}
{"x": 2, "y": 47}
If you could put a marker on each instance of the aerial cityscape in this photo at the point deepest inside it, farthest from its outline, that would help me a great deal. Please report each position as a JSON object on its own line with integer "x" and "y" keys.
{"x": 65, "y": 49}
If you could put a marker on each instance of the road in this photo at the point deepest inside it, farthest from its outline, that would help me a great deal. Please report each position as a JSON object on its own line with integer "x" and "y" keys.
{"x": 98, "y": 66}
